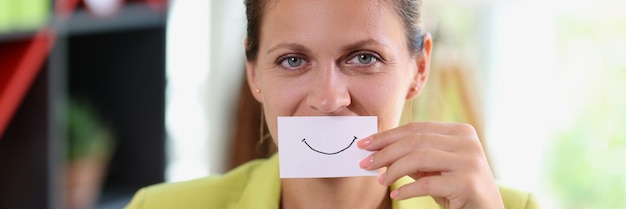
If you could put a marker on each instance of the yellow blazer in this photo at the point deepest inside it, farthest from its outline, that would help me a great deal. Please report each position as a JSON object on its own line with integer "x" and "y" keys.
{"x": 256, "y": 184}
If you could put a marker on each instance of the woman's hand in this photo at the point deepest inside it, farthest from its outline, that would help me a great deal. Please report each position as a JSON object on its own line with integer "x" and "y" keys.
{"x": 446, "y": 160}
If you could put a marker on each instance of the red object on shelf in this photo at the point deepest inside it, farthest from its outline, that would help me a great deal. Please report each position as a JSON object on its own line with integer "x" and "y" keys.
{"x": 64, "y": 8}
{"x": 19, "y": 64}
{"x": 159, "y": 5}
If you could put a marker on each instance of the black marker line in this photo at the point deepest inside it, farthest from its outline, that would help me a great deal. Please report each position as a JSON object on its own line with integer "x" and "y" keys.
{"x": 327, "y": 153}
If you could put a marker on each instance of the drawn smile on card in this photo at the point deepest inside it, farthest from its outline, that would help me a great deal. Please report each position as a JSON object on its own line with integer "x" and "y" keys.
{"x": 329, "y": 153}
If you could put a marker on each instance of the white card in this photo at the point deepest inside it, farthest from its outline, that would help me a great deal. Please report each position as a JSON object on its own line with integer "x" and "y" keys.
{"x": 323, "y": 146}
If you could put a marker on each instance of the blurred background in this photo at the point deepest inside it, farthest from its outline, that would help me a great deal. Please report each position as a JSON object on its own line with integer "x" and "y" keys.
{"x": 101, "y": 97}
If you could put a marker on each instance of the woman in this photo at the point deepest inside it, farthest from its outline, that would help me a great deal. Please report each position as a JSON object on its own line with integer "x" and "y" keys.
{"x": 338, "y": 58}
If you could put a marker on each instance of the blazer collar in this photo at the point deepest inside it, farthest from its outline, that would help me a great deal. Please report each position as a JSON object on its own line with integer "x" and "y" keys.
{"x": 263, "y": 190}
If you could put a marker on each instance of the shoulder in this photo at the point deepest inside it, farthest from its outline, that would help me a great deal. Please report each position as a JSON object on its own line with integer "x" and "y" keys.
{"x": 211, "y": 192}
{"x": 514, "y": 199}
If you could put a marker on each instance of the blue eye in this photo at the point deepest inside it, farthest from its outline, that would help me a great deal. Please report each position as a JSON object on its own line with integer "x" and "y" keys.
{"x": 363, "y": 59}
{"x": 291, "y": 62}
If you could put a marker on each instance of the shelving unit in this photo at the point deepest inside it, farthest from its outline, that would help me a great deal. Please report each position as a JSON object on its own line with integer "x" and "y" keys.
{"x": 118, "y": 64}
{"x": 13, "y": 36}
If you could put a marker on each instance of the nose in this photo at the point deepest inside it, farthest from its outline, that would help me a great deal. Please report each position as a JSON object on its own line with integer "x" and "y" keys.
{"x": 328, "y": 92}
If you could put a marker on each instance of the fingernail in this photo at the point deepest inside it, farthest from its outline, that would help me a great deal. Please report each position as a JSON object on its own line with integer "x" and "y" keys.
{"x": 366, "y": 162}
{"x": 394, "y": 194}
{"x": 363, "y": 143}
{"x": 381, "y": 179}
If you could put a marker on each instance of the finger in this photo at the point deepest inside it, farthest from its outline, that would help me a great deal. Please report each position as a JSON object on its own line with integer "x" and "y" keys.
{"x": 410, "y": 143}
{"x": 383, "y": 139}
{"x": 420, "y": 161}
{"x": 436, "y": 186}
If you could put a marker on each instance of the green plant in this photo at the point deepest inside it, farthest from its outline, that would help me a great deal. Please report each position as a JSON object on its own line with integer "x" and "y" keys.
{"x": 87, "y": 135}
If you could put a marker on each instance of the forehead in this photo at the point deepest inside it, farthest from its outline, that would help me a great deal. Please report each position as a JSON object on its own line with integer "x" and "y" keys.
{"x": 331, "y": 22}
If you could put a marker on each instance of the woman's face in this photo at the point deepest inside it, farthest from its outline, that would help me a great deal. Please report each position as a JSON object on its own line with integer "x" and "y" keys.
{"x": 334, "y": 58}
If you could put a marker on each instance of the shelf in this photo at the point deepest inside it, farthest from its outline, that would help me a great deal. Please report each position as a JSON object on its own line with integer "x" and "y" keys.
{"x": 19, "y": 64}
{"x": 118, "y": 64}
{"x": 26, "y": 152}
{"x": 132, "y": 16}
{"x": 19, "y": 35}
{"x": 123, "y": 75}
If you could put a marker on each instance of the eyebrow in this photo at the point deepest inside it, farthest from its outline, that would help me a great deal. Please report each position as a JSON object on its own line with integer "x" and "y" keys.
{"x": 350, "y": 47}
{"x": 291, "y": 46}
{"x": 359, "y": 44}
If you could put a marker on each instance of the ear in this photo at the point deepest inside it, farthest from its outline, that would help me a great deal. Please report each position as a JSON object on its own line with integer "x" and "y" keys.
{"x": 422, "y": 62}
{"x": 252, "y": 77}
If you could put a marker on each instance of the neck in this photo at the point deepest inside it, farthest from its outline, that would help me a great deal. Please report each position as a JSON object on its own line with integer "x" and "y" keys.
{"x": 349, "y": 192}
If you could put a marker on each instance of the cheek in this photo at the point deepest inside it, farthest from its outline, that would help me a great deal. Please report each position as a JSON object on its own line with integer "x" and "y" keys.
{"x": 391, "y": 118}
{"x": 280, "y": 98}
{"x": 385, "y": 99}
